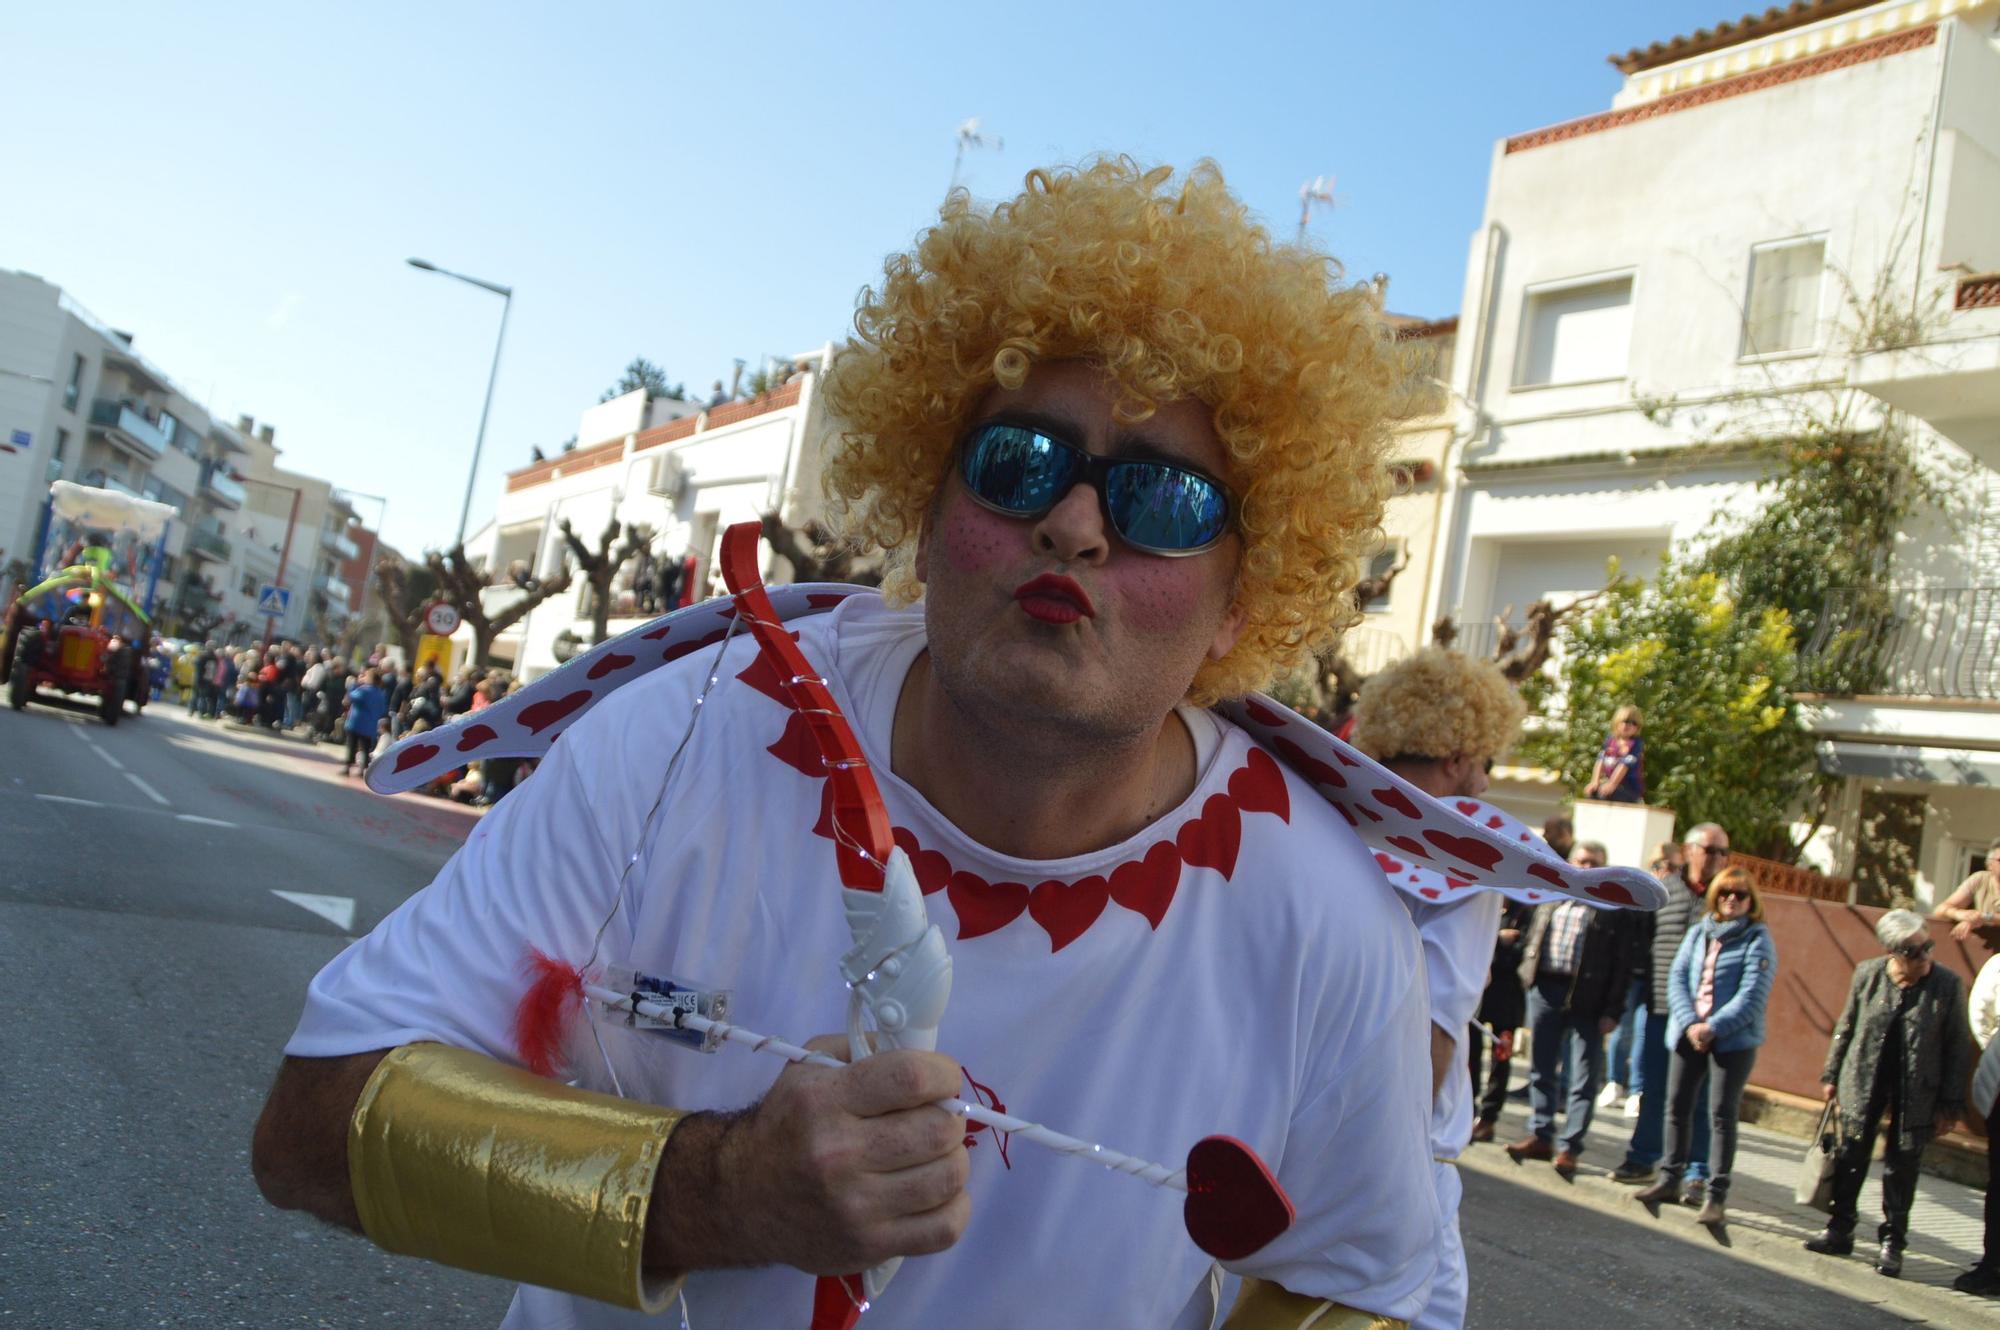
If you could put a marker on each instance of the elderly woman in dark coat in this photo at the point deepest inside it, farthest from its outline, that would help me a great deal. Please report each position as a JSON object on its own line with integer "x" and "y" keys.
{"x": 1901, "y": 1048}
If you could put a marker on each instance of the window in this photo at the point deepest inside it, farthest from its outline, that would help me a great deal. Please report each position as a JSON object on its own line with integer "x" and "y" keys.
{"x": 179, "y": 435}
{"x": 1782, "y": 312}
{"x": 54, "y": 471}
{"x": 73, "y": 390}
{"x": 1379, "y": 579}
{"x": 250, "y": 585}
{"x": 1577, "y": 332}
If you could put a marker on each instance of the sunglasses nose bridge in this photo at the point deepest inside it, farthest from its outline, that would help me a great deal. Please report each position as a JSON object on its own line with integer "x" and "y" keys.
{"x": 1077, "y": 526}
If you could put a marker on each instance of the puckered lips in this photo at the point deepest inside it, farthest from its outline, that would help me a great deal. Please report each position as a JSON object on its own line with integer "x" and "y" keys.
{"x": 1053, "y": 598}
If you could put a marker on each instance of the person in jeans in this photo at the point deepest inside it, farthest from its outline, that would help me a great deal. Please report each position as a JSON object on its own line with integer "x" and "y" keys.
{"x": 1899, "y": 1050}
{"x": 1717, "y": 990}
{"x": 367, "y": 704}
{"x": 1576, "y": 968}
{"x": 1705, "y": 853}
{"x": 1625, "y": 1070}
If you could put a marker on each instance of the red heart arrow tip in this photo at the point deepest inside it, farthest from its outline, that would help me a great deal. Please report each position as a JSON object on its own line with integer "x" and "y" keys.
{"x": 1235, "y": 1206}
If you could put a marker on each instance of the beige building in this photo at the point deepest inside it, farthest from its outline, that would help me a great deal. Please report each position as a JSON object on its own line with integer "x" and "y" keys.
{"x": 1801, "y": 208}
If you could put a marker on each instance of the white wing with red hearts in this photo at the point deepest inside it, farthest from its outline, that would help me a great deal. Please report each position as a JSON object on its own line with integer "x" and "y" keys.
{"x": 1423, "y": 844}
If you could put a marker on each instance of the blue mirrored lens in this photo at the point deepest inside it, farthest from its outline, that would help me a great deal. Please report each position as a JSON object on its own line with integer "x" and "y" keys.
{"x": 1017, "y": 469}
{"x": 1164, "y": 508}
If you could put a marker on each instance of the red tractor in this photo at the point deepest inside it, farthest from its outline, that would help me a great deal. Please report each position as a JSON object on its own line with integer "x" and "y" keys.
{"x": 77, "y": 632}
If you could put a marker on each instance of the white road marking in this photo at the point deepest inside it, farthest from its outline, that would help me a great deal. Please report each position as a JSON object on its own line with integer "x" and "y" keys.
{"x": 148, "y": 790}
{"x": 204, "y": 821}
{"x": 66, "y": 799}
{"x": 336, "y": 910}
{"x": 116, "y": 765}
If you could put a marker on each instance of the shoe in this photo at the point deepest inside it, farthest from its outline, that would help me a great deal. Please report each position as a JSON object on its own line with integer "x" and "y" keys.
{"x": 1979, "y": 1279}
{"x": 1889, "y": 1261}
{"x": 1610, "y": 1095}
{"x": 1633, "y": 1174}
{"x": 1697, "y": 1192}
{"x": 1830, "y": 1243}
{"x": 1631, "y": 1105}
{"x": 1712, "y": 1214}
{"x": 1482, "y": 1131}
{"x": 1664, "y": 1192}
{"x": 1530, "y": 1147}
{"x": 1566, "y": 1166}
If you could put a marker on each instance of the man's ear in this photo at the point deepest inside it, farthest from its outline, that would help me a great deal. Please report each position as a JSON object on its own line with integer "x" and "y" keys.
{"x": 1227, "y": 632}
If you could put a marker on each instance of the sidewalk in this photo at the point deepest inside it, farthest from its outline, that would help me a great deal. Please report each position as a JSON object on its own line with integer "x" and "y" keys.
{"x": 1947, "y": 1223}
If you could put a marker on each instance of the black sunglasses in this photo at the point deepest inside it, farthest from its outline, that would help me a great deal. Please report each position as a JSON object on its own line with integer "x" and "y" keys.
{"x": 1155, "y": 507}
{"x": 1726, "y": 893}
{"x": 1917, "y": 953}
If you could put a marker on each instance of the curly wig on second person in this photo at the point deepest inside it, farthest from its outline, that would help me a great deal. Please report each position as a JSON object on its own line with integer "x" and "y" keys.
{"x": 1437, "y": 704}
{"x": 1174, "y": 292}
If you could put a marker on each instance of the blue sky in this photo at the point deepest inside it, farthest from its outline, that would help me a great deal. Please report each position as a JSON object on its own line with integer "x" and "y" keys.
{"x": 239, "y": 184}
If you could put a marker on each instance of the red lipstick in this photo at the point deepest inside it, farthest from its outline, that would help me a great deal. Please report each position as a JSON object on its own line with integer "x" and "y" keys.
{"x": 1053, "y": 598}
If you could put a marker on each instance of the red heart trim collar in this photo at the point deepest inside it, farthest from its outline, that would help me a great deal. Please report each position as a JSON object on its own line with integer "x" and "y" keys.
{"x": 1145, "y": 885}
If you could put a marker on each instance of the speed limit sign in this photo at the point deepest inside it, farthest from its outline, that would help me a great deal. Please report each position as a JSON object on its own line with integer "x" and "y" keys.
{"x": 441, "y": 618}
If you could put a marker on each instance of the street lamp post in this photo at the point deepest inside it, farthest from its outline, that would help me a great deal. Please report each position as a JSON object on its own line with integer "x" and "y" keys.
{"x": 506, "y": 294}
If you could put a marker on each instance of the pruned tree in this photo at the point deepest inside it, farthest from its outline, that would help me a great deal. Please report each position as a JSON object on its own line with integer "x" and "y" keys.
{"x": 816, "y": 555}
{"x": 405, "y": 590}
{"x": 601, "y": 565}
{"x": 459, "y": 582}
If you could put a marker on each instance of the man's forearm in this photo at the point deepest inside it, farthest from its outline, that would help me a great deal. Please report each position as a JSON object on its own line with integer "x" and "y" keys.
{"x": 689, "y": 1223}
{"x": 299, "y": 1150}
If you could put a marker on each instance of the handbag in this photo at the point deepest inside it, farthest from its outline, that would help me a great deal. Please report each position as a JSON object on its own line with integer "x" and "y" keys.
{"x": 1815, "y": 1181}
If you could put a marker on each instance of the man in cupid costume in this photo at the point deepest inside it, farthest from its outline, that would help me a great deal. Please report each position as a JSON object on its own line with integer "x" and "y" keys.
{"x": 1124, "y": 453}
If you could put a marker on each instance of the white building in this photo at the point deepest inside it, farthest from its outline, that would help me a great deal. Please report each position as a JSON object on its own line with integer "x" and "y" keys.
{"x": 77, "y": 402}
{"x": 673, "y": 467}
{"x": 1649, "y": 280}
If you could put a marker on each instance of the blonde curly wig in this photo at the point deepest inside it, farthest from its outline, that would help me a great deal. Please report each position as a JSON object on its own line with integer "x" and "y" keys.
{"x": 1174, "y": 292}
{"x": 1437, "y": 703}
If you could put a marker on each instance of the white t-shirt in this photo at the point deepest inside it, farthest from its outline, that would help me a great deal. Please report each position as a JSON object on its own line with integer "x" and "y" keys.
{"x": 1459, "y": 936}
{"x": 1238, "y": 968}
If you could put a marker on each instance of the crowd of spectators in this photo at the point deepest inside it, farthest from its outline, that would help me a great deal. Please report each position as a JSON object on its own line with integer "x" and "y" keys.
{"x": 324, "y": 695}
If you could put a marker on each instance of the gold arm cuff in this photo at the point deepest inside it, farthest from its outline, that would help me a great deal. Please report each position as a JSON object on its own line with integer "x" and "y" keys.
{"x": 1262, "y": 1305}
{"x": 463, "y": 1160}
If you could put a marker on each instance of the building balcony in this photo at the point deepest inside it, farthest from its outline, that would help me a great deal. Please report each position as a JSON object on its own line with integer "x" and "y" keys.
{"x": 124, "y": 426}
{"x": 333, "y": 588}
{"x": 1952, "y": 380}
{"x": 1908, "y": 642}
{"x": 339, "y": 545}
{"x": 207, "y": 543}
{"x": 100, "y": 479}
{"x": 216, "y": 485}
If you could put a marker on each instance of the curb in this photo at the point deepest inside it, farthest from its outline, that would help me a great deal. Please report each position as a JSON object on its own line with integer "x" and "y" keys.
{"x": 1760, "y": 1236}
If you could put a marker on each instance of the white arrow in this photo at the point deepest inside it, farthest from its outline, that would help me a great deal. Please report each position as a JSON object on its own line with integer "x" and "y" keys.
{"x": 336, "y": 910}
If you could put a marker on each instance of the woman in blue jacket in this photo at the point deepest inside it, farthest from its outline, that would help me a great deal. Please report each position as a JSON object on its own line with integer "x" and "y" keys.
{"x": 1717, "y": 991}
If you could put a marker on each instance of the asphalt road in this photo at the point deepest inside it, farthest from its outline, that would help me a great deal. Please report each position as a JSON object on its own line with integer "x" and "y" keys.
{"x": 150, "y": 976}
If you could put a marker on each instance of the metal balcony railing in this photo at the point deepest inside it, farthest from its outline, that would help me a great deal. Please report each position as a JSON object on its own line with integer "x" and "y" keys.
{"x": 1939, "y": 642}
{"x": 215, "y": 482}
{"x": 202, "y": 540}
{"x": 123, "y": 423}
{"x": 101, "y": 479}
